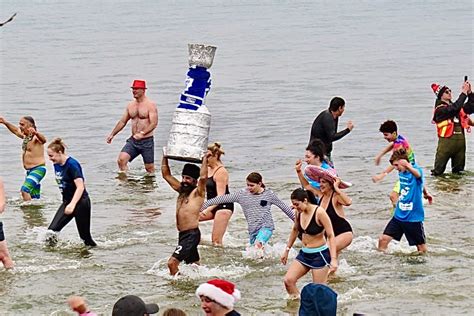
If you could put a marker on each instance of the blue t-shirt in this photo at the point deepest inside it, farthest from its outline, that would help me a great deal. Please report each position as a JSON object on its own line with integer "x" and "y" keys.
{"x": 65, "y": 176}
{"x": 315, "y": 184}
{"x": 410, "y": 203}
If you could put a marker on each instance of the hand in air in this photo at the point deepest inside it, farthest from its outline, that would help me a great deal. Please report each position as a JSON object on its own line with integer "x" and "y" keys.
{"x": 298, "y": 165}
{"x": 350, "y": 125}
{"x": 378, "y": 177}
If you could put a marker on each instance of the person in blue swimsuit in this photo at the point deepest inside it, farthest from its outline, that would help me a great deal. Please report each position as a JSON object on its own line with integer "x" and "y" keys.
{"x": 76, "y": 203}
{"x": 314, "y": 223}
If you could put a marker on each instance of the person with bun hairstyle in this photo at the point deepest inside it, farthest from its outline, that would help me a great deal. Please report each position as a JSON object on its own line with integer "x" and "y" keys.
{"x": 409, "y": 212}
{"x": 76, "y": 203}
{"x": 217, "y": 184}
{"x": 317, "y": 255}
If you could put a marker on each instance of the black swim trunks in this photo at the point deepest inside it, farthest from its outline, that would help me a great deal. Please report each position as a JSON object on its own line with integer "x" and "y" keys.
{"x": 187, "y": 246}
{"x": 2, "y": 235}
{"x": 144, "y": 147}
{"x": 414, "y": 231}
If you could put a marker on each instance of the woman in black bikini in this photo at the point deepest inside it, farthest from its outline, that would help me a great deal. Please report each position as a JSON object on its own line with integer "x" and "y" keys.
{"x": 313, "y": 223}
{"x": 217, "y": 184}
{"x": 333, "y": 200}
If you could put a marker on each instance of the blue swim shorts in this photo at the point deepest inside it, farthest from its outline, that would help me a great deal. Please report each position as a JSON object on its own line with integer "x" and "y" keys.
{"x": 263, "y": 236}
{"x": 144, "y": 147}
{"x": 314, "y": 258}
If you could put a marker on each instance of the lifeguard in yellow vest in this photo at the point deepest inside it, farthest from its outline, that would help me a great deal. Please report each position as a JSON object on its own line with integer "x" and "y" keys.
{"x": 451, "y": 120}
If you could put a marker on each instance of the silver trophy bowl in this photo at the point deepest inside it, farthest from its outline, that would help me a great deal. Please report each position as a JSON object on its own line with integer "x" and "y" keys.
{"x": 201, "y": 55}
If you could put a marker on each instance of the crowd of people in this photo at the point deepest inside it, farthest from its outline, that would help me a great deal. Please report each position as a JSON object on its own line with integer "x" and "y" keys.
{"x": 317, "y": 207}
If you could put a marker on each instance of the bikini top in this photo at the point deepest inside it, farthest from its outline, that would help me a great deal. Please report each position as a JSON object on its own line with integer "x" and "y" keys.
{"x": 313, "y": 227}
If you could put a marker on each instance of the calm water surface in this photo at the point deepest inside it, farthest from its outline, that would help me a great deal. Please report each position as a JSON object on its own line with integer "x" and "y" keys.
{"x": 69, "y": 64}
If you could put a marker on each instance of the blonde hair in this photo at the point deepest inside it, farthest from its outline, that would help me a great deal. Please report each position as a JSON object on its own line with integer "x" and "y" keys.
{"x": 58, "y": 145}
{"x": 216, "y": 150}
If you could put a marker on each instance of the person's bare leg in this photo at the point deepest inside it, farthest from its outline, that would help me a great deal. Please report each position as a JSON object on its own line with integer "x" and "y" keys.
{"x": 221, "y": 220}
{"x": 343, "y": 241}
{"x": 320, "y": 276}
{"x": 173, "y": 265}
{"x": 384, "y": 240}
{"x": 123, "y": 160}
{"x": 150, "y": 167}
{"x": 294, "y": 273}
{"x": 422, "y": 248}
{"x": 5, "y": 255}
{"x": 26, "y": 196}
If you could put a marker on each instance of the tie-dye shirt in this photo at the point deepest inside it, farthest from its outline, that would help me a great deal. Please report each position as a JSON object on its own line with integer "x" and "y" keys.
{"x": 402, "y": 142}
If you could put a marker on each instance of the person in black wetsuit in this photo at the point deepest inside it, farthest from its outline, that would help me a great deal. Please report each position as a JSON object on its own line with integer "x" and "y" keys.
{"x": 217, "y": 184}
{"x": 321, "y": 258}
{"x": 333, "y": 200}
{"x": 76, "y": 203}
{"x": 325, "y": 125}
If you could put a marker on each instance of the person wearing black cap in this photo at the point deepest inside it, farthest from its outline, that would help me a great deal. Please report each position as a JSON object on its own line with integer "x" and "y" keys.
{"x": 191, "y": 189}
{"x": 132, "y": 305}
{"x": 451, "y": 119}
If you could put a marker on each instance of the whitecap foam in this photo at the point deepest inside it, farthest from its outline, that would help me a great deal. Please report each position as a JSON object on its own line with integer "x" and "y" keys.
{"x": 344, "y": 269}
{"x": 120, "y": 242}
{"x": 197, "y": 272}
{"x": 268, "y": 252}
{"x": 228, "y": 240}
{"x": 35, "y": 266}
{"x": 355, "y": 294}
{"x": 365, "y": 244}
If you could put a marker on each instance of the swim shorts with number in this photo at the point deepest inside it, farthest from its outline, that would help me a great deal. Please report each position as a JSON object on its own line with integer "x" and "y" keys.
{"x": 187, "y": 246}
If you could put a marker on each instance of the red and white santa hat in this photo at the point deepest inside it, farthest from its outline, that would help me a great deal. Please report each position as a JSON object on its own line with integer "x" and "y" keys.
{"x": 221, "y": 291}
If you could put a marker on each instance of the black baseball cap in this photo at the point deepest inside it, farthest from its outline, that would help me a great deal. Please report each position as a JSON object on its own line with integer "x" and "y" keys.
{"x": 132, "y": 305}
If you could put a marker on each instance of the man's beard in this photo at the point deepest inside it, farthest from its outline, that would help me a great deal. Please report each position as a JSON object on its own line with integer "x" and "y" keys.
{"x": 185, "y": 189}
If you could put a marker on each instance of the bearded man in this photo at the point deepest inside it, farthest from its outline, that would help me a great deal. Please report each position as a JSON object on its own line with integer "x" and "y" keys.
{"x": 191, "y": 189}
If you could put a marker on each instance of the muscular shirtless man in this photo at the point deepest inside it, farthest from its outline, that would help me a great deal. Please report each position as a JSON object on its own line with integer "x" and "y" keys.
{"x": 191, "y": 189}
{"x": 144, "y": 115}
{"x": 33, "y": 155}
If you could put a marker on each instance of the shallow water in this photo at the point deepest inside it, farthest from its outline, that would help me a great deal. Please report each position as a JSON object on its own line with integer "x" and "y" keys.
{"x": 69, "y": 64}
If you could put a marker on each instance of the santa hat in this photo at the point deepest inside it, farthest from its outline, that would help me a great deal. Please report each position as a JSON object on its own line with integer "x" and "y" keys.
{"x": 438, "y": 89}
{"x": 221, "y": 291}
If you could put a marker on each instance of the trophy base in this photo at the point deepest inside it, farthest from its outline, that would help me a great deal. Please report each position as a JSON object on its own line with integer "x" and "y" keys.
{"x": 185, "y": 159}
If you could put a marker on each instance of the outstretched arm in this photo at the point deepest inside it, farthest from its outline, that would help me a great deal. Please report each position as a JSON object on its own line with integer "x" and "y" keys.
{"x": 221, "y": 199}
{"x": 166, "y": 174}
{"x": 12, "y": 128}
{"x": 282, "y": 206}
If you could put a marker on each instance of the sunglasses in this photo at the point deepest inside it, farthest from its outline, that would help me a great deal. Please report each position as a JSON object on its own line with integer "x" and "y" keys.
{"x": 447, "y": 91}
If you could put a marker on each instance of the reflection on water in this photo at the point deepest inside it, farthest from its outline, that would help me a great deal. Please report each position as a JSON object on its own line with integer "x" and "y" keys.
{"x": 33, "y": 215}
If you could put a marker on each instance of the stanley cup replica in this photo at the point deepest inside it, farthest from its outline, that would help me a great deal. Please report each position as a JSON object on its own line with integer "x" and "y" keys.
{"x": 189, "y": 132}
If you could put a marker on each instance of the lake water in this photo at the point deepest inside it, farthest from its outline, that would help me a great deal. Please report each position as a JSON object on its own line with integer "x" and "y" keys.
{"x": 69, "y": 64}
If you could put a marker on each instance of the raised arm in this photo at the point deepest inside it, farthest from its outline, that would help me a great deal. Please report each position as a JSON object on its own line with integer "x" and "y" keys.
{"x": 201, "y": 186}
{"x": 119, "y": 126}
{"x": 12, "y": 128}
{"x": 282, "y": 206}
{"x": 304, "y": 182}
{"x": 166, "y": 174}
{"x": 38, "y": 136}
{"x": 341, "y": 196}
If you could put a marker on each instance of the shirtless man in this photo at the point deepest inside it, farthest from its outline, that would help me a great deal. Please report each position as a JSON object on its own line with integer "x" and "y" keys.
{"x": 144, "y": 115}
{"x": 191, "y": 189}
{"x": 33, "y": 155}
